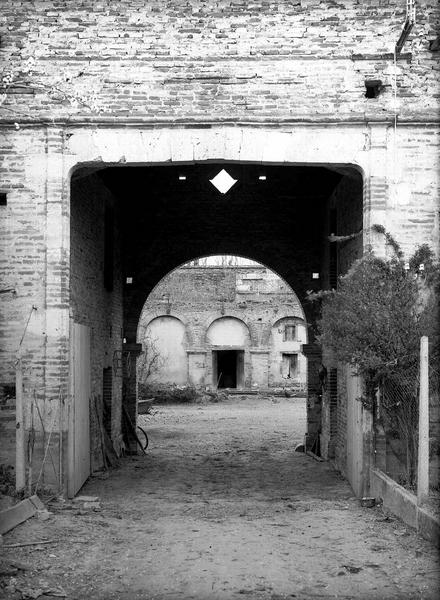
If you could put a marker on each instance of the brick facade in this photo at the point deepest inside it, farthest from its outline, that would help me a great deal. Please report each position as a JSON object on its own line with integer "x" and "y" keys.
{"x": 93, "y": 303}
{"x": 200, "y": 298}
{"x": 135, "y": 83}
{"x": 222, "y": 60}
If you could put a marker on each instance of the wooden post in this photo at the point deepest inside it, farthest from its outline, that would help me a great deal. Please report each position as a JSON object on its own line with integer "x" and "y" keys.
{"x": 423, "y": 450}
{"x": 60, "y": 443}
{"x": 31, "y": 449}
{"x": 20, "y": 466}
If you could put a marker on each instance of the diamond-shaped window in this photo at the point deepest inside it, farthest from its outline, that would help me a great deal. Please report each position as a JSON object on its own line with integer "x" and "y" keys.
{"x": 223, "y": 181}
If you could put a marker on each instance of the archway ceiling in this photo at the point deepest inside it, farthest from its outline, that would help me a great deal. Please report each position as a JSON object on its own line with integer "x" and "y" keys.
{"x": 166, "y": 221}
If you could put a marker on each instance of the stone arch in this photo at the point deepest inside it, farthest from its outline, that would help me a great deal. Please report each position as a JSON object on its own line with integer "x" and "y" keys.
{"x": 286, "y": 320}
{"x": 234, "y": 314}
{"x": 342, "y": 149}
{"x": 149, "y": 315}
{"x": 237, "y": 332}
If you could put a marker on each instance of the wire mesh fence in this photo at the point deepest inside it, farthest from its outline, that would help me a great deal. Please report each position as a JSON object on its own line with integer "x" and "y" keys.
{"x": 43, "y": 442}
{"x": 396, "y": 426}
{"x": 37, "y": 447}
{"x": 434, "y": 428}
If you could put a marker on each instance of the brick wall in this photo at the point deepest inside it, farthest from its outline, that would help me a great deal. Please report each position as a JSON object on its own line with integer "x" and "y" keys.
{"x": 22, "y": 257}
{"x": 220, "y": 59}
{"x": 91, "y": 303}
{"x": 269, "y": 82}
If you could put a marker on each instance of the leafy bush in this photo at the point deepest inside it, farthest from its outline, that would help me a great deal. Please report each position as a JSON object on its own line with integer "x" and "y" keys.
{"x": 375, "y": 319}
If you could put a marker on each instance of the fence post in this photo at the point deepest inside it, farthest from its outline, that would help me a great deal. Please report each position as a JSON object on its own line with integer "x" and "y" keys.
{"x": 20, "y": 467}
{"x": 423, "y": 450}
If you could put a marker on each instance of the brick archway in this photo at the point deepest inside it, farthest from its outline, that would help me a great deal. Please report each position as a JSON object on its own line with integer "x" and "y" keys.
{"x": 279, "y": 226}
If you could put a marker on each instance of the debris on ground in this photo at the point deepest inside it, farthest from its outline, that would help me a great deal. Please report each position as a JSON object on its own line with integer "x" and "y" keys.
{"x": 221, "y": 504}
{"x": 13, "y": 516}
{"x": 92, "y": 505}
{"x": 36, "y": 543}
{"x": 352, "y": 569}
{"x": 386, "y": 519}
{"x": 33, "y": 593}
{"x": 368, "y": 502}
{"x": 85, "y": 499}
{"x": 150, "y": 394}
{"x": 43, "y": 515}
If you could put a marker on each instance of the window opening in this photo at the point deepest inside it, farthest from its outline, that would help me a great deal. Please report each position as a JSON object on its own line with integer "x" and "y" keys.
{"x": 289, "y": 333}
{"x": 289, "y": 365}
{"x": 373, "y": 88}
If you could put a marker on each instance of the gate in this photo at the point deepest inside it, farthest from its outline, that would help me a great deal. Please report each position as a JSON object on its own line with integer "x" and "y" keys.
{"x": 79, "y": 419}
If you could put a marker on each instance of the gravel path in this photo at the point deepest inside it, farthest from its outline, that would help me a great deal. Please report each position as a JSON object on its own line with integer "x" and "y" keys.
{"x": 223, "y": 508}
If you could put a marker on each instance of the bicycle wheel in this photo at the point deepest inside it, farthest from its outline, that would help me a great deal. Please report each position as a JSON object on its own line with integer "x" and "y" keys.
{"x": 143, "y": 438}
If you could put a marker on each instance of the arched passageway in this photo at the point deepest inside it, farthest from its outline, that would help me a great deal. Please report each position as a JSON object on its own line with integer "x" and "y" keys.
{"x": 241, "y": 326}
{"x": 277, "y": 215}
{"x": 133, "y": 224}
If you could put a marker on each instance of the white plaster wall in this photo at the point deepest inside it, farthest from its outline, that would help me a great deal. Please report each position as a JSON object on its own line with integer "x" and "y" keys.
{"x": 228, "y": 331}
{"x": 197, "y": 368}
{"x": 168, "y": 335}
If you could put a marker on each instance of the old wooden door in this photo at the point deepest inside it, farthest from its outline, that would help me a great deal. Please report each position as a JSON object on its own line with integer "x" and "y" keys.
{"x": 79, "y": 419}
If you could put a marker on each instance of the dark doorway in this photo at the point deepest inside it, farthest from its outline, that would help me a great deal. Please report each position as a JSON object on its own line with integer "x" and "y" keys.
{"x": 228, "y": 368}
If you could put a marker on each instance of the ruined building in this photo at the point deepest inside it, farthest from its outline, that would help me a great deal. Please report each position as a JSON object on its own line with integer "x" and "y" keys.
{"x": 116, "y": 118}
{"x": 224, "y": 327}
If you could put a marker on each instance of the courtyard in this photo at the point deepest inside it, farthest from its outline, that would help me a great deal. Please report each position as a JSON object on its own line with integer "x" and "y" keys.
{"x": 221, "y": 507}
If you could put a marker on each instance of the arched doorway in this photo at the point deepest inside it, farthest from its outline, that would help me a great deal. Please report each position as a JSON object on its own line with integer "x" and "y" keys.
{"x": 226, "y": 308}
{"x": 163, "y": 215}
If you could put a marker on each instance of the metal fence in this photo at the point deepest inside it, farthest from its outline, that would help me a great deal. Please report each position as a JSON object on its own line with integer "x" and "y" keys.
{"x": 401, "y": 444}
{"x": 396, "y": 419}
{"x": 434, "y": 428}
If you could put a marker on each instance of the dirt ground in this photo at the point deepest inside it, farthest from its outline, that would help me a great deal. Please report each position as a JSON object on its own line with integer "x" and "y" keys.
{"x": 222, "y": 508}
